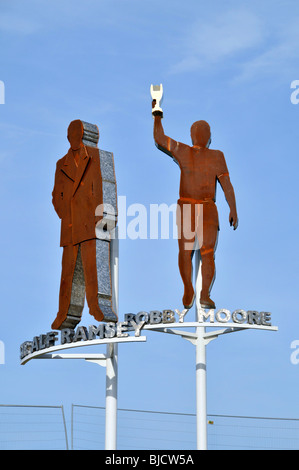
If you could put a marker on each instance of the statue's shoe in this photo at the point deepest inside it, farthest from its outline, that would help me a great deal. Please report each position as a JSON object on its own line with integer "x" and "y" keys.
{"x": 97, "y": 313}
{"x": 188, "y": 298}
{"x": 206, "y": 302}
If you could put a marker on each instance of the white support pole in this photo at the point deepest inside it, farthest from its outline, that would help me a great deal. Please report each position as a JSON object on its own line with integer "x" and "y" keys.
{"x": 111, "y": 398}
{"x": 201, "y": 366}
{"x": 112, "y": 358}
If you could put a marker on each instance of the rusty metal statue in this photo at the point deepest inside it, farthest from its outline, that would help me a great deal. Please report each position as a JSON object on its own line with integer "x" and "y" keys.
{"x": 197, "y": 216}
{"x": 84, "y": 197}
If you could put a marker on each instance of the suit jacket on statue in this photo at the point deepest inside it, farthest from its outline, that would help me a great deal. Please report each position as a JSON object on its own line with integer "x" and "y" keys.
{"x": 76, "y": 194}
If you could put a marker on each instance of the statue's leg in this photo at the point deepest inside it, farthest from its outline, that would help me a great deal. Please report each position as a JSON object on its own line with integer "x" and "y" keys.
{"x": 185, "y": 266}
{"x": 72, "y": 289}
{"x": 89, "y": 261}
{"x": 207, "y": 252}
{"x": 208, "y": 276}
{"x": 186, "y": 239}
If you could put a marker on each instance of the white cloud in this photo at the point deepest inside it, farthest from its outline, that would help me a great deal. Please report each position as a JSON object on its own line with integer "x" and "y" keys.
{"x": 278, "y": 58}
{"x": 253, "y": 48}
{"x": 211, "y": 41}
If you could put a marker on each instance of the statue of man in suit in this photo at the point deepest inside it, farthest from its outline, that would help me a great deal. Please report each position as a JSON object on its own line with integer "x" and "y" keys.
{"x": 77, "y": 193}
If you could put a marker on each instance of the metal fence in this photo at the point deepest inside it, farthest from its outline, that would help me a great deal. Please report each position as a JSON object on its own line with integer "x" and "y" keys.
{"x": 141, "y": 429}
{"x": 44, "y": 428}
{"x": 252, "y": 433}
{"x": 136, "y": 430}
{"x": 32, "y": 428}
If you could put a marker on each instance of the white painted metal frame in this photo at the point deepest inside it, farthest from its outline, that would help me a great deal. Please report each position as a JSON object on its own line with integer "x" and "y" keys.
{"x": 200, "y": 338}
{"x": 54, "y": 351}
{"x": 108, "y": 360}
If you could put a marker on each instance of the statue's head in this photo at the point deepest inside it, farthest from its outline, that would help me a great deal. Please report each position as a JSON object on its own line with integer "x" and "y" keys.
{"x": 75, "y": 134}
{"x": 201, "y": 134}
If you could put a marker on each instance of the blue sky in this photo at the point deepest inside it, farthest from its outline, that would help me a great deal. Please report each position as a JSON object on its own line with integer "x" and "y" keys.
{"x": 230, "y": 63}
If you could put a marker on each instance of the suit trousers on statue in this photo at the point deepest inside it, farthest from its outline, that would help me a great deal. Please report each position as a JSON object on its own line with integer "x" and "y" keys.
{"x": 78, "y": 276}
{"x": 85, "y": 271}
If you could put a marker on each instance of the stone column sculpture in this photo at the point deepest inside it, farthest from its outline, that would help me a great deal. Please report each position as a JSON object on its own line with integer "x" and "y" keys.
{"x": 85, "y": 199}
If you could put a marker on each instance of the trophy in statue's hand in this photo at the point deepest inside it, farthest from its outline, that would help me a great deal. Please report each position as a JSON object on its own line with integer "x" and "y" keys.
{"x": 157, "y": 96}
